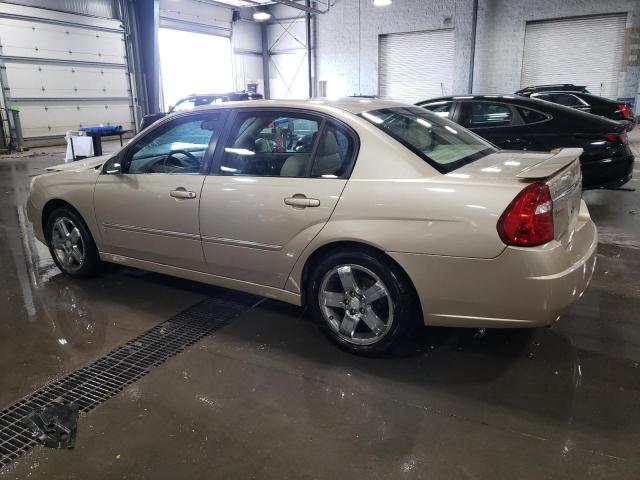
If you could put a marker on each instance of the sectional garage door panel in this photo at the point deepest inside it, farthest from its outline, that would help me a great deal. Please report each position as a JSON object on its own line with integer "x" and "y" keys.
{"x": 25, "y": 38}
{"x": 583, "y": 51}
{"x": 56, "y": 118}
{"x": 64, "y": 71}
{"x": 44, "y": 80}
{"x": 416, "y": 66}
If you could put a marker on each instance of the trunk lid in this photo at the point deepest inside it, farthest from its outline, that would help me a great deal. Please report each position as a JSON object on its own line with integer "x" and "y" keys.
{"x": 559, "y": 169}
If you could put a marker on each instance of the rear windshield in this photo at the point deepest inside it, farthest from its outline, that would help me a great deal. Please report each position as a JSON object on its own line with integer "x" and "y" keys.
{"x": 443, "y": 144}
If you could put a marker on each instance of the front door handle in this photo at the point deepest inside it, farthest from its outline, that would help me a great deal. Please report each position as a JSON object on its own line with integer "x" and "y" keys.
{"x": 182, "y": 193}
{"x": 300, "y": 200}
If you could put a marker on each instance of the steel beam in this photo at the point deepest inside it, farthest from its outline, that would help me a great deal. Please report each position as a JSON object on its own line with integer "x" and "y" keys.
{"x": 302, "y": 6}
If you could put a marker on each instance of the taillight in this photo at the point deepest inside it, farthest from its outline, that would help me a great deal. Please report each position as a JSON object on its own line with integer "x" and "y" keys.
{"x": 625, "y": 110}
{"x": 616, "y": 137}
{"x": 528, "y": 220}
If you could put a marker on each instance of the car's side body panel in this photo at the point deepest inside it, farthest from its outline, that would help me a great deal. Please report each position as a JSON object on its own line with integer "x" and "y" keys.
{"x": 440, "y": 229}
{"x": 261, "y": 237}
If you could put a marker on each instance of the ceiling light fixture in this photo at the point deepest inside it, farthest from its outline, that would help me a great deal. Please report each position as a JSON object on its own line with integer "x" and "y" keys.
{"x": 261, "y": 15}
{"x": 382, "y": 3}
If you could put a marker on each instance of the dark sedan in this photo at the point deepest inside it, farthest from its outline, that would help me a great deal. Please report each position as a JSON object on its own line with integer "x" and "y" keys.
{"x": 580, "y": 98}
{"x": 517, "y": 123}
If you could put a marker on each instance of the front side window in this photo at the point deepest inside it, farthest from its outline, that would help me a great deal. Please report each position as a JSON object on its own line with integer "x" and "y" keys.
{"x": 485, "y": 114}
{"x": 175, "y": 147}
{"x": 443, "y": 144}
{"x": 441, "y": 109}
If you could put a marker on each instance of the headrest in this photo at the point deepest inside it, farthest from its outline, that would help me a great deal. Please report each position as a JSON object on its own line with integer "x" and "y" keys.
{"x": 328, "y": 144}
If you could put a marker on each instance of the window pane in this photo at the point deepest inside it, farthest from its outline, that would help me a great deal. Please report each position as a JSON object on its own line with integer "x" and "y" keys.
{"x": 184, "y": 106}
{"x": 335, "y": 153}
{"x": 485, "y": 114}
{"x": 270, "y": 144}
{"x": 439, "y": 141}
{"x": 178, "y": 147}
{"x": 531, "y": 116}
{"x": 439, "y": 108}
{"x": 568, "y": 100}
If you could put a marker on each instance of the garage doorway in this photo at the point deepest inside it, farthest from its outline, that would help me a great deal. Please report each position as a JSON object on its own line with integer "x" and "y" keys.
{"x": 193, "y": 62}
{"x": 583, "y": 51}
{"x": 415, "y": 66}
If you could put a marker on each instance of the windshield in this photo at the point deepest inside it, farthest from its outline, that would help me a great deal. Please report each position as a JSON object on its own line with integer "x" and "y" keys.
{"x": 443, "y": 144}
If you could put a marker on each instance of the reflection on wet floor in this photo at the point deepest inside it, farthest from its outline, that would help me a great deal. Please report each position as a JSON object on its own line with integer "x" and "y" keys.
{"x": 51, "y": 324}
{"x": 562, "y": 402}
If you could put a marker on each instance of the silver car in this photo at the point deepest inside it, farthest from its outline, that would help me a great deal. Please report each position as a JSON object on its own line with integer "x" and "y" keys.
{"x": 377, "y": 215}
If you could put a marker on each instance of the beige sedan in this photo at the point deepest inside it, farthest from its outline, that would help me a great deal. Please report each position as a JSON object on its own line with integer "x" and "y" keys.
{"x": 376, "y": 215}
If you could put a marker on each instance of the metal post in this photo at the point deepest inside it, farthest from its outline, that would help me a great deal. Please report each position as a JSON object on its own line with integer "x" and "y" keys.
{"x": 265, "y": 60}
{"x": 17, "y": 126}
{"x": 473, "y": 44}
{"x": 309, "y": 63}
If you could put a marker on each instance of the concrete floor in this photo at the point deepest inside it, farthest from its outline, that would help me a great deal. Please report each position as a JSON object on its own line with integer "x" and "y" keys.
{"x": 268, "y": 397}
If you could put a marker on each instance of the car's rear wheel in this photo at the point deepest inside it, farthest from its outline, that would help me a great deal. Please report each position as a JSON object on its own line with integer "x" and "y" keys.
{"x": 71, "y": 244}
{"x": 362, "y": 301}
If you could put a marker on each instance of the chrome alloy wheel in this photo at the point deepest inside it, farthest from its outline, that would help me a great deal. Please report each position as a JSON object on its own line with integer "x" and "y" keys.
{"x": 356, "y": 304}
{"x": 67, "y": 244}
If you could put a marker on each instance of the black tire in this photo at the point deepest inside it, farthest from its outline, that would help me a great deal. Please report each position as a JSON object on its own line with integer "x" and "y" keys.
{"x": 90, "y": 264}
{"x": 405, "y": 311}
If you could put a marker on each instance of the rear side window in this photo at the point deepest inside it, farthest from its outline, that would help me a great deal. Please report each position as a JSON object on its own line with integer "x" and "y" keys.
{"x": 568, "y": 100}
{"x": 565, "y": 99}
{"x": 485, "y": 114}
{"x": 334, "y": 153}
{"x": 531, "y": 116}
{"x": 441, "y": 109}
{"x": 287, "y": 144}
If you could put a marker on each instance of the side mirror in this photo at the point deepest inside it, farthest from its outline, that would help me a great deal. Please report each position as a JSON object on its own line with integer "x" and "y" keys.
{"x": 112, "y": 166}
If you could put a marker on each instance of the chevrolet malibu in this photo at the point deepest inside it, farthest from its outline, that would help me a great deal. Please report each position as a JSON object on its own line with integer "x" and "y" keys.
{"x": 375, "y": 215}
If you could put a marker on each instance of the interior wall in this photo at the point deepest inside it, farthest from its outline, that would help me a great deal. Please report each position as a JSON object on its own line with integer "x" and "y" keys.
{"x": 501, "y": 30}
{"x": 347, "y": 39}
{"x": 347, "y": 55}
{"x": 247, "y": 55}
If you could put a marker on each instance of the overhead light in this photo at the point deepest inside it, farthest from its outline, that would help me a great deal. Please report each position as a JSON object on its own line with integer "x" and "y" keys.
{"x": 261, "y": 15}
{"x": 382, "y": 3}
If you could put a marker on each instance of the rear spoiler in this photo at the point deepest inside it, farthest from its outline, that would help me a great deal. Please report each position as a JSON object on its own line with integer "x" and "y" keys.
{"x": 546, "y": 168}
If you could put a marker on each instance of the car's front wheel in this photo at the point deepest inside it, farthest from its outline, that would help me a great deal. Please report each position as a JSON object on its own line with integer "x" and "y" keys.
{"x": 71, "y": 244}
{"x": 362, "y": 301}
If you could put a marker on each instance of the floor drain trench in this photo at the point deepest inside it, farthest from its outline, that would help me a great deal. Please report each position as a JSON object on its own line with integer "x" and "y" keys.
{"x": 92, "y": 385}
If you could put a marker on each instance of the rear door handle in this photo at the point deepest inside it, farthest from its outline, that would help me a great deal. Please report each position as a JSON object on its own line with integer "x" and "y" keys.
{"x": 182, "y": 193}
{"x": 301, "y": 201}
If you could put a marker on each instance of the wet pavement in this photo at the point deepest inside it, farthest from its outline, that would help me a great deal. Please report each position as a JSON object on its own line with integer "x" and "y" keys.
{"x": 268, "y": 397}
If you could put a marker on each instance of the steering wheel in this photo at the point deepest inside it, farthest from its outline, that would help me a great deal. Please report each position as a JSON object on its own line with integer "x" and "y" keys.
{"x": 173, "y": 161}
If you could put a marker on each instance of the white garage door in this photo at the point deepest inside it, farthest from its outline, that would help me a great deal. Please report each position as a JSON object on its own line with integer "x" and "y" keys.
{"x": 583, "y": 51}
{"x": 415, "y": 66}
{"x": 64, "y": 71}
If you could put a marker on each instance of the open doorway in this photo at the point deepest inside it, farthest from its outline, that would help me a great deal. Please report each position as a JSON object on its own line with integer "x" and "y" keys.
{"x": 193, "y": 63}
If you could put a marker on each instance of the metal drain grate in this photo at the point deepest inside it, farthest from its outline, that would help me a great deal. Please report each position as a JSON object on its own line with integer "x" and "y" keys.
{"x": 97, "y": 382}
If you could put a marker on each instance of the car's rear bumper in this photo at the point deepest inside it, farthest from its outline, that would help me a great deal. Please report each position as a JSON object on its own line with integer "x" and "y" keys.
{"x": 522, "y": 287}
{"x": 608, "y": 172}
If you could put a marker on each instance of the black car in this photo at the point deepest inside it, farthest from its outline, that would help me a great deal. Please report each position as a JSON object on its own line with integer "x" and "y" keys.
{"x": 198, "y": 100}
{"x": 517, "y": 123}
{"x": 580, "y": 98}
